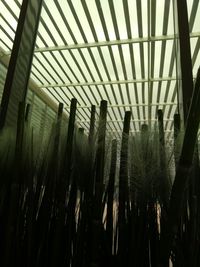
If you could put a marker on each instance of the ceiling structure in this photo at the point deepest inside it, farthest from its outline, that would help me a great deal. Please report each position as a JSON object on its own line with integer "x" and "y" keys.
{"x": 119, "y": 50}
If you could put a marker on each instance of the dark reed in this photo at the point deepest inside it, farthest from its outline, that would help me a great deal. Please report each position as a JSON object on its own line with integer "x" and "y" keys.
{"x": 60, "y": 206}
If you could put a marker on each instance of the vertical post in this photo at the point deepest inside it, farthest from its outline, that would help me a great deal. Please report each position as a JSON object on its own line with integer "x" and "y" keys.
{"x": 69, "y": 145}
{"x": 99, "y": 176}
{"x": 177, "y": 126}
{"x": 183, "y": 169}
{"x": 123, "y": 190}
{"x": 100, "y": 153}
{"x": 111, "y": 185}
{"x": 164, "y": 183}
{"x": 20, "y": 62}
{"x": 183, "y": 53}
{"x": 92, "y": 124}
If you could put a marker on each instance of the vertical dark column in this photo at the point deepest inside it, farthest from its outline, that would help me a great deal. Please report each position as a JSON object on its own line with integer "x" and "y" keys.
{"x": 100, "y": 155}
{"x": 183, "y": 57}
{"x": 123, "y": 191}
{"x": 92, "y": 124}
{"x": 69, "y": 143}
{"x": 111, "y": 186}
{"x": 177, "y": 127}
{"x": 97, "y": 227}
{"x": 20, "y": 62}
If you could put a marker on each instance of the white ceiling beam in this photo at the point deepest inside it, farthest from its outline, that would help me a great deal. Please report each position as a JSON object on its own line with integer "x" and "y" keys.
{"x": 111, "y": 121}
{"x": 109, "y": 43}
{"x": 107, "y": 82}
{"x": 127, "y": 105}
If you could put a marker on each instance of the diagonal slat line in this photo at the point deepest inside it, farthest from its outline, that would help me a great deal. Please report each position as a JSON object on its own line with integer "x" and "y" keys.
{"x": 9, "y": 9}
{"x": 193, "y": 14}
{"x": 9, "y": 48}
{"x": 76, "y": 62}
{"x": 114, "y": 20}
{"x": 170, "y": 110}
{"x": 196, "y": 52}
{"x": 174, "y": 96}
{"x": 172, "y": 60}
{"x": 169, "y": 84}
{"x": 129, "y": 33}
{"x": 7, "y": 23}
{"x": 152, "y": 31}
{"x": 53, "y": 39}
{"x": 77, "y": 91}
{"x": 85, "y": 40}
{"x": 4, "y": 31}
{"x": 56, "y": 92}
{"x": 163, "y": 47}
{"x": 63, "y": 39}
{"x": 63, "y": 100}
{"x": 62, "y": 68}
{"x": 18, "y": 4}
{"x": 85, "y": 7}
{"x": 141, "y": 46}
{"x": 102, "y": 18}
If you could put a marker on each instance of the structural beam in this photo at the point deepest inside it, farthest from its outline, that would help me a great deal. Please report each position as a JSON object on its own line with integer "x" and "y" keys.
{"x": 110, "y": 43}
{"x": 183, "y": 55}
{"x": 130, "y": 105}
{"x": 107, "y": 82}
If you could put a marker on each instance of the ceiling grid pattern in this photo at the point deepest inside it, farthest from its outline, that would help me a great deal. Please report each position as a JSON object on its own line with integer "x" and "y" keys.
{"x": 121, "y": 51}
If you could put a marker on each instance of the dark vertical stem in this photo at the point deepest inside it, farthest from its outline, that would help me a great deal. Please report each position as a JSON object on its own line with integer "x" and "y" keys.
{"x": 27, "y": 113}
{"x": 92, "y": 124}
{"x": 19, "y": 138}
{"x": 183, "y": 170}
{"x": 164, "y": 183}
{"x": 11, "y": 237}
{"x": 69, "y": 146}
{"x": 100, "y": 155}
{"x": 96, "y": 240}
{"x": 111, "y": 184}
{"x": 185, "y": 67}
{"x": 177, "y": 127}
{"x": 123, "y": 190}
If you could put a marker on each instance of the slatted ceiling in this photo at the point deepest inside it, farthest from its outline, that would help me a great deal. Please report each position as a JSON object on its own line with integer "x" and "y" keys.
{"x": 10, "y": 15}
{"x": 65, "y": 23}
{"x": 195, "y": 13}
{"x": 192, "y": 15}
{"x": 196, "y": 57}
{"x": 117, "y": 51}
{"x": 7, "y": 29}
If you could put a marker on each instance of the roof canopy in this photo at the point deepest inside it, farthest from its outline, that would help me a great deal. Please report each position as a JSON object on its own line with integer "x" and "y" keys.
{"x": 122, "y": 51}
